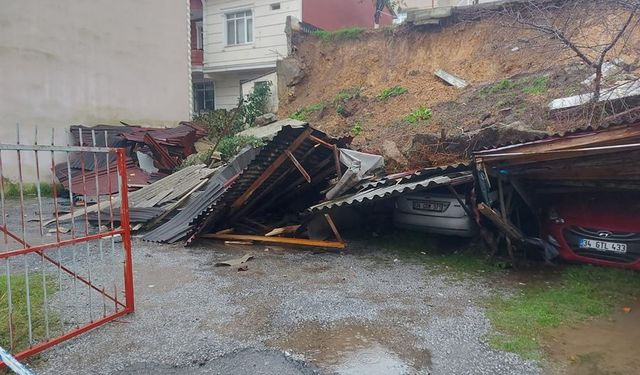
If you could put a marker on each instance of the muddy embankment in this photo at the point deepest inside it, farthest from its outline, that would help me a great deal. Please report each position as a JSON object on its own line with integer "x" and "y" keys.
{"x": 512, "y": 77}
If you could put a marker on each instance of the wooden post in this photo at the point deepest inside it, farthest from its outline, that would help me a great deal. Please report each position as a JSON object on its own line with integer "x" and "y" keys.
{"x": 504, "y": 217}
{"x": 333, "y": 228}
{"x": 336, "y": 156}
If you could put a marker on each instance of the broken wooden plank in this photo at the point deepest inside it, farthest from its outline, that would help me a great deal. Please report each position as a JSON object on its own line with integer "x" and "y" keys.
{"x": 298, "y": 166}
{"x": 507, "y": 228}
{"x": 334, "y": 229}
{"x": 281, "y": 240}
{"x": 451, "y": 79}
{"x": 283, "y": 230}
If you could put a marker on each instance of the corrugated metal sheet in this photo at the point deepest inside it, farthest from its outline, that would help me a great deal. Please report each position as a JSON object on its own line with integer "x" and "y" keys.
{"x": 416, "y": 175}
{"x": 373, "y": 194}
{"x": 182, "y": 224}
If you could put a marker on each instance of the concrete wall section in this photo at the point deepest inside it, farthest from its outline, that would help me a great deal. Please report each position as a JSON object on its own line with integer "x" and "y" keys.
{"x": 338, "y": 14}
{"x": 100, "y": 61}
{"x": 269, "y": 41}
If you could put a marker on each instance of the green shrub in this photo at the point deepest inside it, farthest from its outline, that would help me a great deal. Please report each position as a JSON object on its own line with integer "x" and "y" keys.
{"x": 342, "y": 34}
{"x": 303, "y": 113}
{"x": 356, "y": 129}
{"x": 536, "y": 85}
{"x": 347, "y": 94}
{"x": 420, "y": 114}
{"x": 255, "y": 104}
{"x": 390, "y": 92}
{"x": 230, "y": 146}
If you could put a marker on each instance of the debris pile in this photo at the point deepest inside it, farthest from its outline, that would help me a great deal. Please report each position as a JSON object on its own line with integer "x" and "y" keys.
{"x": 152, "y": 153}
{"x": 261, "y": 189}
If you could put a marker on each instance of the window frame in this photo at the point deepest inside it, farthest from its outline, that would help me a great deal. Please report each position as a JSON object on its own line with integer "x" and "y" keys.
{"x": 199, "y": 35}
{"x": 201, "y": 87}
{"x": 246, "y": 27}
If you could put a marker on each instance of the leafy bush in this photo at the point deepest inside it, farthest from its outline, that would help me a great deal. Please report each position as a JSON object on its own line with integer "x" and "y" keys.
{"x": 390, "y": 92}
{"x": 420, "y": 114}
{"x": 220, "y": 123}
{"x": 255, "y": 104}
{"x": 230, "y": 146}
{"x": 303, "y": 113}
{"x": 342, "y": 34}
{"x": 356, "y": 129}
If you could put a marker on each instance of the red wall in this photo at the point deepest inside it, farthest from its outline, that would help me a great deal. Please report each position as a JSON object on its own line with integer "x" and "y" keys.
{"x": 195, "y": 4}
{"x": 337, "y": 14}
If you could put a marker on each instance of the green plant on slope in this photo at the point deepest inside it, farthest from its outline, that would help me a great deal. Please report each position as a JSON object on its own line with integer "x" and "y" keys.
{"x": 420, "y": 114}
{"x": 356, "y": 129}
{"x": 342, "y": 34}
{"x": 347, "y": 94}
{"x": 391, "y": 92}
{"x": 535, "y": 85}
{"x": 303, "y": 113}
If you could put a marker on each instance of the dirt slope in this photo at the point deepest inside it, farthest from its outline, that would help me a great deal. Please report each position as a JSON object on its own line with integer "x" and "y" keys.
{"x": 482, "y": 52}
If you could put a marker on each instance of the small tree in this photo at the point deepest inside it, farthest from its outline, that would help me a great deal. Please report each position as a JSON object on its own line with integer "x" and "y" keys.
{"x": 570, "y": 25}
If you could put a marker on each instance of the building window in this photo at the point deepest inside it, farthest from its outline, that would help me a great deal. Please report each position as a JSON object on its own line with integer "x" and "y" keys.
{"x": 275, "y": 6}
{"x": 203, "y": 96}
{"x": 199, "y": 35}
{"x": 239, "y": 27}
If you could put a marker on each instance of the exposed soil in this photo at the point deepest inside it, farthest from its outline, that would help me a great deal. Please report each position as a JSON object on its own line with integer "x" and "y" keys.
{"x": 602, "y": 346}
{"x": 481, "y": 52}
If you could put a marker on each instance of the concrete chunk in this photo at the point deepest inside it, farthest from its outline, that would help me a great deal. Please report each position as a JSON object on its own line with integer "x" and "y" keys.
{"x": 451, "y": 79}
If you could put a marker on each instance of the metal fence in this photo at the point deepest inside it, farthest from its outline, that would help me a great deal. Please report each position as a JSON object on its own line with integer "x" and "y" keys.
{"x": 65, "y": 258}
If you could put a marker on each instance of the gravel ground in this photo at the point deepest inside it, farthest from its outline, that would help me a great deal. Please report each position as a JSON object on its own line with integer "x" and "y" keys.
{"x": 292, "y": 312}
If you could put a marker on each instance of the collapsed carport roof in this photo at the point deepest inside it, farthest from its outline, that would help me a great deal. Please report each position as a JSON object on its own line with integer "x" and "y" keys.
{"x": 399, "y": 184}
{"x": 590, "y": 158}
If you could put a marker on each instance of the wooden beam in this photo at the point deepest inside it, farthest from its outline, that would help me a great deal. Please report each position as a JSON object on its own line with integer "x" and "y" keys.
{"x": 504, "y": 226}
{"x": 333, "y": 228}
{"x": 459, "y": 198}
{"x": 280, "y": 240}
{"x": 298, "y": 166}
{"x": 336, "y": 156}
{"x": 272, "y": 168}
{"x": 503, "y": 211}
{"x": 321, "y": 142}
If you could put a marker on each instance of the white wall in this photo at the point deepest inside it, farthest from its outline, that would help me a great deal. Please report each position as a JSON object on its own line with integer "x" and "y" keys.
{"x": 89, "y": 62}
{"x": 270, "y": 41}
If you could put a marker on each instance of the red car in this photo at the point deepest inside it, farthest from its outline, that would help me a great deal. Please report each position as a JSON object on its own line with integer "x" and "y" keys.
{"x": 601, "y": 228}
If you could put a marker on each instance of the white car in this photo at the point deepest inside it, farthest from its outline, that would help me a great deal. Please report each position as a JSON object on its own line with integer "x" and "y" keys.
{"x": 433, "y": 213}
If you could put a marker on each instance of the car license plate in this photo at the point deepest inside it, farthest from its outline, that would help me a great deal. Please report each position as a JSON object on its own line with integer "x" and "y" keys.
{"x": 615, "y": 247}
{"x": 430, "y": 206}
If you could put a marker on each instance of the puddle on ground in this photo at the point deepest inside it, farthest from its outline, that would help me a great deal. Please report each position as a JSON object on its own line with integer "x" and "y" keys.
{"x": 602, "y": 346}
{"x": 356, "y": 348}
